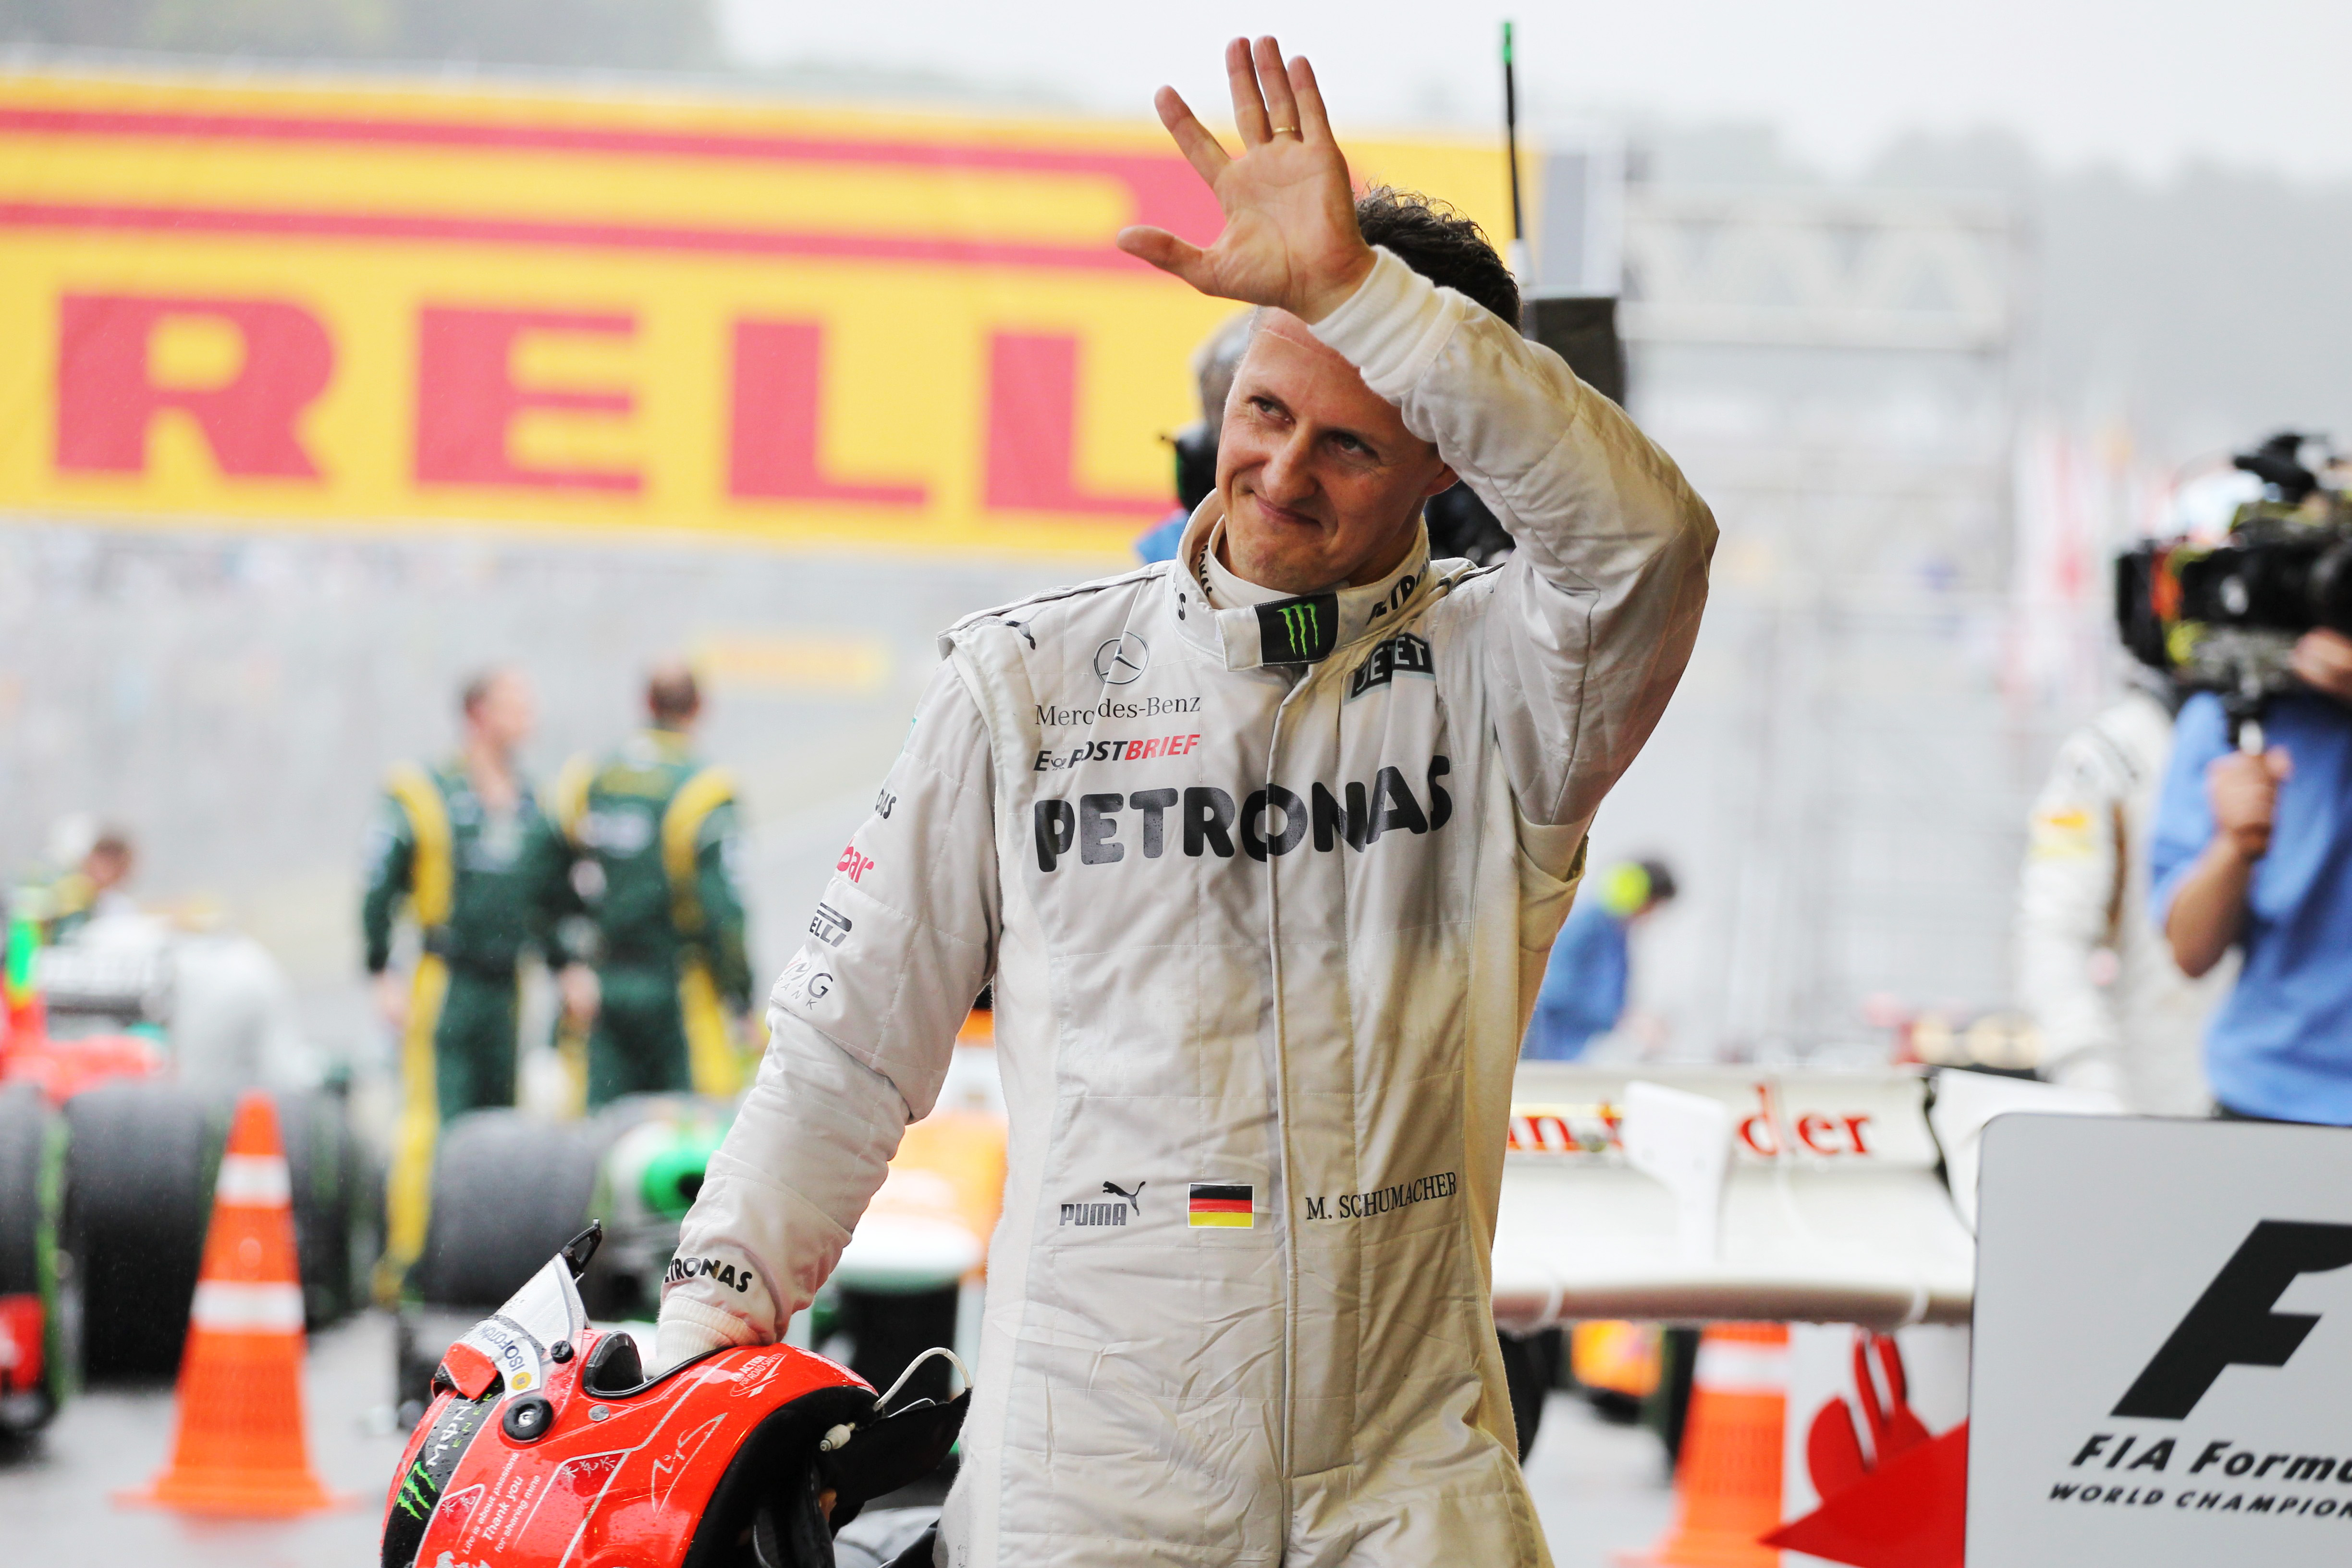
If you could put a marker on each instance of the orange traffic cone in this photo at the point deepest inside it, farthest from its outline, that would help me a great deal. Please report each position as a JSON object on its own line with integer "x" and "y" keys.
{"x": 1728, "y": 1485}
{"x": 241, "y": 1449}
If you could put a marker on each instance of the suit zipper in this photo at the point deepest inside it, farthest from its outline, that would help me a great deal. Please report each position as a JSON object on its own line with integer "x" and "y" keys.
{"x": 1282, "y": 1121}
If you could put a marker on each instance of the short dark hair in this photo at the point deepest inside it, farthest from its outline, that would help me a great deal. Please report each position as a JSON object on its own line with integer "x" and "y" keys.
{"x": 1661, "y": 880}
{"x": 476, "y": 690}
{"x": 671, "y": 692}
{"x": 1440, "y": 244}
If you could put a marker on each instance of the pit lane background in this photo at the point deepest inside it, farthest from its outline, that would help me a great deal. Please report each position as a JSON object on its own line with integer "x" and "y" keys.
{"x": 318, "y": 393}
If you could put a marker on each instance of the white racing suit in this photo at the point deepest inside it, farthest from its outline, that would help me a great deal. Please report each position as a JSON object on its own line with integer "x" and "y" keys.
{"x": 2084, "y": 888}
{"x": 1265, "y": 893}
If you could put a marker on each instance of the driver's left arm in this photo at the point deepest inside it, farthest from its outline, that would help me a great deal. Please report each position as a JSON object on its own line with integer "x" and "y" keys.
{"x": 1580, "y": 638}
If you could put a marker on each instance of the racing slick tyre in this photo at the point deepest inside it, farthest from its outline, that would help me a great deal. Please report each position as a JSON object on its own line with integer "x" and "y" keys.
{"x": 324, "y": 1162}
{"x": 141, "y": 1164}
{"x": 41, "y": 1297}
{"x": 507, "y": 1191}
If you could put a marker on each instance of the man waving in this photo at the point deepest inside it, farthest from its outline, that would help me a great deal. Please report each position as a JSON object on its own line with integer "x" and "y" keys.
{"x": 1261, "y": 849}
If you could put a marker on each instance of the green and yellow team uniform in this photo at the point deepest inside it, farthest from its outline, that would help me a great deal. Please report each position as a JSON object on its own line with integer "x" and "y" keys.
{"x": 661, "y": 828}
{"x": 480, "y": 885}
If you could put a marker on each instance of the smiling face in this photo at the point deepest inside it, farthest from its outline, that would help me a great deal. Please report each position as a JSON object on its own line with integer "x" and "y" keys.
{"x": 1322, "y": 483}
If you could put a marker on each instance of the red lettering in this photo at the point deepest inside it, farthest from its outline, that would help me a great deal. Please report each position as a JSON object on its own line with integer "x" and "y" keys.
{"x": 856, "y": 864}
{"x": 1191, "y": 742}
{"x": 108, "y": 399}
{"x": 1151, "y": 747}
{"x": 1810, "y": 1126}
{"x": 467, "y": 399}
{"x": 1770, "y": 1144}
{"x": 1853, "y": 1130}
{"x": 772, "y": 451}
{"x": 1032, "y": 424}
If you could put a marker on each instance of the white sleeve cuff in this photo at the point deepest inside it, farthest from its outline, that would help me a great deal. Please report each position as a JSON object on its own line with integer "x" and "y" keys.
{"x": 1393, "y": 326}
{"x": 688, "y": 1328}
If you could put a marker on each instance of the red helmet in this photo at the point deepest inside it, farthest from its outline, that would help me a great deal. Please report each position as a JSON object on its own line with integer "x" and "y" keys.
{"x": 546, "y": 1444}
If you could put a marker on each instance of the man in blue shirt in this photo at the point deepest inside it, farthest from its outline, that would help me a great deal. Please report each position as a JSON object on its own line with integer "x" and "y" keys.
{"x": 2256, "y": 852}
{"x": 1158, "y": 542}
{"x": 1583, "y": 992}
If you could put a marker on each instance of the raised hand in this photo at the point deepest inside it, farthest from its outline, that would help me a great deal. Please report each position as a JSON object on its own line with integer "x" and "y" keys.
{"x": 2242, "y": 791}
{"x": 1290, "y": 238}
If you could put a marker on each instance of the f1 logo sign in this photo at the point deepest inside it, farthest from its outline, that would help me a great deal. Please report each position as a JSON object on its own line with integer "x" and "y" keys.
{"x": 2233, "y": 1324}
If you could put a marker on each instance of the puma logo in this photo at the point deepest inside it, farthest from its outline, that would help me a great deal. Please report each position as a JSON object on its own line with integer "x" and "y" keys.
{"x": 1094, "y": 1214}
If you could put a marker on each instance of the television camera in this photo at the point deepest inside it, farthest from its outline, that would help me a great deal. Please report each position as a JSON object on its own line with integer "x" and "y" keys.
{"x": 2224, "y": 616}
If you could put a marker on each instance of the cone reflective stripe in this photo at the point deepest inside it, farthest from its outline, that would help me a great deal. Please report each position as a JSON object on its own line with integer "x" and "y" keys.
{"x": 1727, "y": 1484}
{"x": 229, "y": 1309}
{"x": 254, "y": 1181}
{"x": 240, "y": 1448}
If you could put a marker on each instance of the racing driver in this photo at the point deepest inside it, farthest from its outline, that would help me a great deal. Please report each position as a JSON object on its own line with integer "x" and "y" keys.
{"x": 1263, "y": 848}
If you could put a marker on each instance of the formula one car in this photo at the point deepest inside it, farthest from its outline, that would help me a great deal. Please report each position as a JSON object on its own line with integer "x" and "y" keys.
{"x": 1727, "y": 1194}
{"x": 108, "y": 1158}
{"x": 1785, "y": 1196}
{"x": 546, "y": 1444}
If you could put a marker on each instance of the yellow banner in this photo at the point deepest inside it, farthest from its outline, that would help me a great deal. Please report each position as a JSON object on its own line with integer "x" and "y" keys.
{"x": 360, "y": 305}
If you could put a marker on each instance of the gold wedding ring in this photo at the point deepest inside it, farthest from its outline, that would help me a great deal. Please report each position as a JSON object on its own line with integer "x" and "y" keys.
{"x": 1286, "y": 130}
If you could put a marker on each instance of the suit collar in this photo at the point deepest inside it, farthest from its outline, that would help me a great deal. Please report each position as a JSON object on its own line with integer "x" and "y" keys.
{"x": 1306, "y": 629}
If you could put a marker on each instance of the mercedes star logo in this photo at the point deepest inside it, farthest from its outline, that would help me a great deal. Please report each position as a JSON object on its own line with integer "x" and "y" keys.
{"x": 1123, "y": 658}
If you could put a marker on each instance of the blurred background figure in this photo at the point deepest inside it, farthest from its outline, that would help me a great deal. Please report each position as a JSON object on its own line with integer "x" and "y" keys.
{"x": 102, "y": 860}
{"x": 2115, "y": 1013}
{"x": 1585, "y": 985}
{"x": 655, "y": 831}
{"x": 1196, "y": 445}
{"x": 462, "y": 849}
{"x": 218, "y": 999}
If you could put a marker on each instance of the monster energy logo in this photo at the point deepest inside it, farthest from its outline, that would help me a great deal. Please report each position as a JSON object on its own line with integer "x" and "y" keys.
{"x": 415, "y": 1492}
{"x": 1298, "y": 629}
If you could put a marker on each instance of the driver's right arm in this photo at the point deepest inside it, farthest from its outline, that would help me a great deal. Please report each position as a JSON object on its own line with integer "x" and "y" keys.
{"x": 861, "y": 1027}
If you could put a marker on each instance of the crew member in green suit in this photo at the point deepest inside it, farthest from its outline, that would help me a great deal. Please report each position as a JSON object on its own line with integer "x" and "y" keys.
{"x": 466, "y": 848}
{"x": 659, "y": 827}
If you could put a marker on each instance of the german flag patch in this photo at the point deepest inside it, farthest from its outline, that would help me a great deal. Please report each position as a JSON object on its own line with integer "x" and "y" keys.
{"x": 1224, "y": 1205}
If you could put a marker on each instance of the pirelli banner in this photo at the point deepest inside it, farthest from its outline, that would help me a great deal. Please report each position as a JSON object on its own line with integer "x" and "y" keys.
{"x": 348, "y": 305}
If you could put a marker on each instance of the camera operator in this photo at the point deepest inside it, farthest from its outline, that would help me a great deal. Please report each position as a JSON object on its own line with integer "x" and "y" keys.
{"x": 2255, "y": 851}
